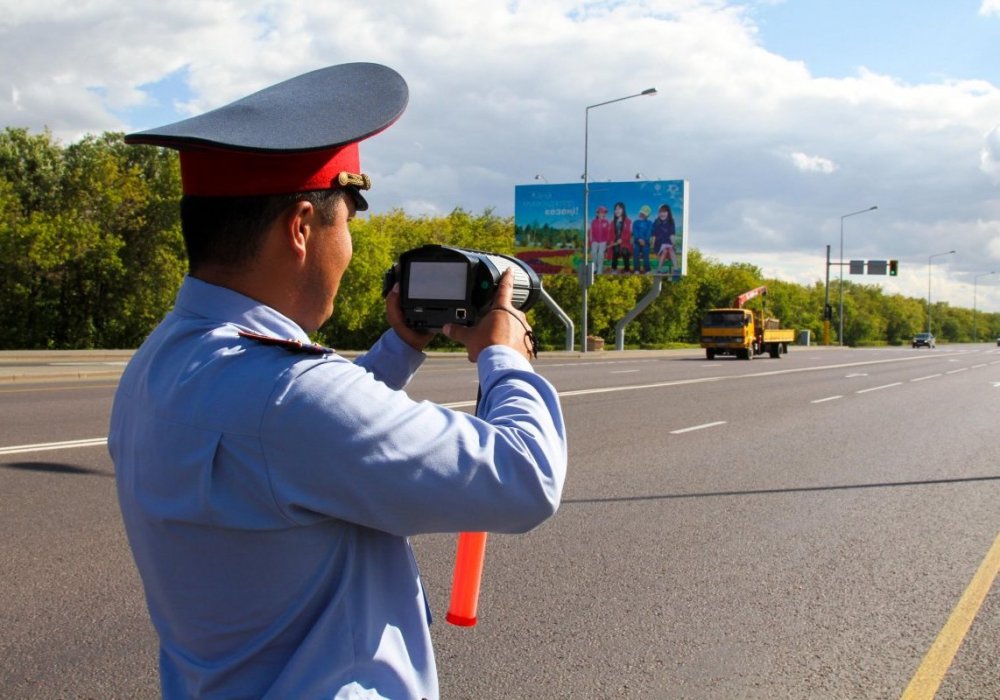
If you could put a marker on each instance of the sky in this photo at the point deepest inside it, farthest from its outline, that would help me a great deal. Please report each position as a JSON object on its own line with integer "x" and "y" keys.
{"x": 789, "y": 118}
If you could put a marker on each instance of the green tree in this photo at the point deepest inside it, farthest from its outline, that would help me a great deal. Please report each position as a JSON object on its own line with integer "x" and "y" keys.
{"x": 89, "y": 259}
{"x": 153, "y": 259}
{"x": 903, "y": 319}
{"x": 33, "y": 164}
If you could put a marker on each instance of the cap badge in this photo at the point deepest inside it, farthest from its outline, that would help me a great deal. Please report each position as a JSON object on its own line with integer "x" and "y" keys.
{"x": 361, "y": 181}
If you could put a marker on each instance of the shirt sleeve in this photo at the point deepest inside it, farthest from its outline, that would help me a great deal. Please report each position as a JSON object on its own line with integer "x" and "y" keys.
{"x": 391, "y": 360}
{"x": 339, "y": 443}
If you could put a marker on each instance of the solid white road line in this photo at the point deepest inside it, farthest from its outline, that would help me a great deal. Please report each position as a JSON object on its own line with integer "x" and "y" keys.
{"x": 697, "y": 427}
{"x": 46, "y": 446}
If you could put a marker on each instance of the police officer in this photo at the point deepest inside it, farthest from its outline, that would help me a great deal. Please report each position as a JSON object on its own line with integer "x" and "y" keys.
{"x": 268, "y": 485}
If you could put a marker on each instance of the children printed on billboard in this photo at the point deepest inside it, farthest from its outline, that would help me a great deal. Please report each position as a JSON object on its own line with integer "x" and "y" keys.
{"x": 621, "y": 246}
{"x": 664, "y": 234}
{"x": 642, "y": 239}
{"x": 600, "y": 238}
{"x": 549, "y": 223}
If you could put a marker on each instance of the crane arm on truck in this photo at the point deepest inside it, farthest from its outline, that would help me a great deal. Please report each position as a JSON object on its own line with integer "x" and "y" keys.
{"x": 747, "y": 296}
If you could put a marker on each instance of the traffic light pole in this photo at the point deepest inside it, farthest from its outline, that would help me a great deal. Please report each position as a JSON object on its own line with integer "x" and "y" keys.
{"x": 893, "y": 268}
{"x": 827, "y": 309}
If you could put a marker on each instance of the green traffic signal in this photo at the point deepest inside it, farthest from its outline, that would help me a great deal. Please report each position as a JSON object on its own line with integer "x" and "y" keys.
{"x": 893, "y": 268}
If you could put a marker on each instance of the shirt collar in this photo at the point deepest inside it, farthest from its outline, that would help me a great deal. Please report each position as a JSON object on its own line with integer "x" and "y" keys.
{"x": 198, "y": 298}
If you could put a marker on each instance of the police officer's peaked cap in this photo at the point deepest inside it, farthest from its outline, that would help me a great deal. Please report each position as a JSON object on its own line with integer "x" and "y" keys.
{"x": 296, "y": 136}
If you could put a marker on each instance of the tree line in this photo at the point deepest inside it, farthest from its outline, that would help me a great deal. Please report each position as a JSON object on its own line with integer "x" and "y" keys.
{"x": 91, "y": 256}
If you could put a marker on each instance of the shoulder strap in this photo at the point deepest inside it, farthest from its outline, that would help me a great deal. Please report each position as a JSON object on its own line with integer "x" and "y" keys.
{"x": 289, "y": 344}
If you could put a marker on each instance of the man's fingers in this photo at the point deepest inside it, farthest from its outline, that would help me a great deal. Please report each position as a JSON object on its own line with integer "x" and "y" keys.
{"x": 505, "y": 290}
{"x": 455, "y": 331}
{"x": 392, "y": 308}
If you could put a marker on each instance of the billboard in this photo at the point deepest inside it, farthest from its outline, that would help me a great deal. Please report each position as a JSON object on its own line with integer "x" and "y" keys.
{"x": 634, "y": 227}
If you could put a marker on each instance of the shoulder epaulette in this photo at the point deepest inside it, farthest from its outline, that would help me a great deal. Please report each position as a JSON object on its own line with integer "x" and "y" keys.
{"x": 289, "y": 344}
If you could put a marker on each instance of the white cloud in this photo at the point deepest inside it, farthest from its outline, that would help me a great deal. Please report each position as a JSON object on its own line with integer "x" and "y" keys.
{"x": 989, "y": 158}
{"x": 990, "y": 7}
{"x": 812, "y": 164}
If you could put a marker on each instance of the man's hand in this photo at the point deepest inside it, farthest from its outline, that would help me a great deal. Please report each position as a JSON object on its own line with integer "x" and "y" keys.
{"x": 416, "y": 339}
{"x": 503, "y": 325}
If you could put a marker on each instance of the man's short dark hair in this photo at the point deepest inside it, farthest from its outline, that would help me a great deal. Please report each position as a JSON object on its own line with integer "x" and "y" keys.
{"x": 229, "y": 231}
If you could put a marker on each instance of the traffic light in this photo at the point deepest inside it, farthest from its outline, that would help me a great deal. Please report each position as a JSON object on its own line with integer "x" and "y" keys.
{"x": 893, "y": 268}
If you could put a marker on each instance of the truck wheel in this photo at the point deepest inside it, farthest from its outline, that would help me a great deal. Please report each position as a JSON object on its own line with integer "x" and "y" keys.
{"x": 709, "y": 353}
{"x": 748, "y": 354}
{"x": 774, "y": 350}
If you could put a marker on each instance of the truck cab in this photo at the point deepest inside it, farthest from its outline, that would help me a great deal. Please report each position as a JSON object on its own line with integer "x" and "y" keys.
{"x": 727, "y": 332}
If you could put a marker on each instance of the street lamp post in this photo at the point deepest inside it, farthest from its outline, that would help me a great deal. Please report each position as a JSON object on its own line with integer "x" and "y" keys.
{"x": 585, "y": 272}
{"x": 840, "y": 332}
{"x": 975, "y": 280}
{"x": 929, "y": 258}
{"x": 826, "y": 300}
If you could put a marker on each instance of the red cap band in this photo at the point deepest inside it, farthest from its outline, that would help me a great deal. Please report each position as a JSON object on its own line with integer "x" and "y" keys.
{"x": 212, "y": 172}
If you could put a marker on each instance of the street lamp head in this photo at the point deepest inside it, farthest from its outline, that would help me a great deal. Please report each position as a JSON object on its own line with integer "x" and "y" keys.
{"x": 649, "y": 91}
{"x": 859, "y": 211}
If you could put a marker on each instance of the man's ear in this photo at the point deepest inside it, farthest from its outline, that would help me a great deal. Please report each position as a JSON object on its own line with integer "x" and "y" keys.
{"x": 299, "y": 224}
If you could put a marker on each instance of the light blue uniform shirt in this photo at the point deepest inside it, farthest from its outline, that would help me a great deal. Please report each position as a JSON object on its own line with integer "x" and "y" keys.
{"x": 267, "y": 497}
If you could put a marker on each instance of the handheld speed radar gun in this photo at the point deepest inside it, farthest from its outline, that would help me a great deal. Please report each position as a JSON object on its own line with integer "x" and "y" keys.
{"x": 441, "y": 284}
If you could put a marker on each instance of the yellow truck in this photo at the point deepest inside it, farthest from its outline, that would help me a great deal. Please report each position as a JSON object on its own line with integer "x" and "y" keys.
{"x": 744, "y": 332}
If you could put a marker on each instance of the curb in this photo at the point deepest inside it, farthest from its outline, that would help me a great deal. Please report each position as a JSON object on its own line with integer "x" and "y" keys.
{"x": 34, "y": 366}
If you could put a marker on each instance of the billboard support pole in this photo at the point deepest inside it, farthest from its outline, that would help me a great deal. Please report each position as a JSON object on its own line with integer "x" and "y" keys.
{"x": 563, "y": 316}
{"x": 639, "y": 308}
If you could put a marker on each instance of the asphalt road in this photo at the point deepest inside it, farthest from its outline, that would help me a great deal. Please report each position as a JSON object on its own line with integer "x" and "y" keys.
{"x": 793, "y": 528}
